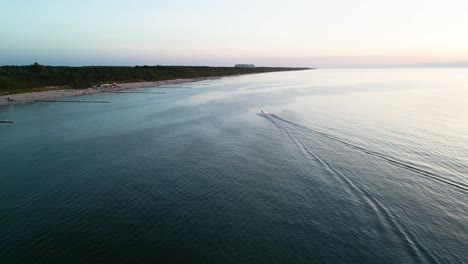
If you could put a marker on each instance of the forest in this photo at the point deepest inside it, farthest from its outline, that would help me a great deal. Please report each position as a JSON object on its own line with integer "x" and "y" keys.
{"x": 36, "y": 76}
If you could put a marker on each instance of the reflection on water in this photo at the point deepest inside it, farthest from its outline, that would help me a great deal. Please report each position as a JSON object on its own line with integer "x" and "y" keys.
{"x": 348, "y": 166}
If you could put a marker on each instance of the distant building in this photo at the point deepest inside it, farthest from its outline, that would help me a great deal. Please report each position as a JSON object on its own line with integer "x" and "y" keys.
{"x": 244, "y": 66}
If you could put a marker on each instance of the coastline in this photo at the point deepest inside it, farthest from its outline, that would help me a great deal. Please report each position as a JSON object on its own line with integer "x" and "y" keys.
{"x": 52, "y": 94}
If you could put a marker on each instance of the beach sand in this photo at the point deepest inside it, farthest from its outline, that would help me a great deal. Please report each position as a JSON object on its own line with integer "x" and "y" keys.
{"x": 47, "y": 95}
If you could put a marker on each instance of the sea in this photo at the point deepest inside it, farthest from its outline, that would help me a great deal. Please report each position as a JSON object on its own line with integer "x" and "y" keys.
{"x": 342, "y": 166}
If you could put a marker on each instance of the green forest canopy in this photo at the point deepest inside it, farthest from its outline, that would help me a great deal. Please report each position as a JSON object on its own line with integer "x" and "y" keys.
{"x": 37, "y": 76}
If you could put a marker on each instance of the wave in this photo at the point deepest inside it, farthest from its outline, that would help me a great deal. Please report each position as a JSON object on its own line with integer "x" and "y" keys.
{"x": 391, "y": 160}
{"x": 386, "y": 217}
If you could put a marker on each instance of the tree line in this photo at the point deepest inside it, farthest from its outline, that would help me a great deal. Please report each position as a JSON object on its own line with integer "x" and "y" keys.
{"x": 39, "y": 76}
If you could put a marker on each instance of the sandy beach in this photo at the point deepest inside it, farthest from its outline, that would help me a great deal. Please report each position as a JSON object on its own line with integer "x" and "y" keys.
{"x": 46, "y": 95}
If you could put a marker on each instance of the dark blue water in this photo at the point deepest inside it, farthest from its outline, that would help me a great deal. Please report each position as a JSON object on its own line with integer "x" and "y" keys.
{"x": 348, "y": 166}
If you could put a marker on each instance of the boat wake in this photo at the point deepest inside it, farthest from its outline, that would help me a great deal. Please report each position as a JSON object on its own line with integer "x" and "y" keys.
{"x": 422, "y": 172}
{"x": 386, "y": 218}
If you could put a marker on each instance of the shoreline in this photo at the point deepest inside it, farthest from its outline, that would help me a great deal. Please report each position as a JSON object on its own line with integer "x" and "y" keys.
{"x": 52, "y": 94}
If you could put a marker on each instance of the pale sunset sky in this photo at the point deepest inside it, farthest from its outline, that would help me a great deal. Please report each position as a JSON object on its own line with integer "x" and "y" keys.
{"x": 324, "y": 34}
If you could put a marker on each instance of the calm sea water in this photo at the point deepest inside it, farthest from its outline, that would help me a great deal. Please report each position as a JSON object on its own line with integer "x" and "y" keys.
{"x": 349, "y": 166}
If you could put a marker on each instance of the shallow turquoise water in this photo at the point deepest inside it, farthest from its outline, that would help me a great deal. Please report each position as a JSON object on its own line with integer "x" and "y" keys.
{"x": 349, "y": 166}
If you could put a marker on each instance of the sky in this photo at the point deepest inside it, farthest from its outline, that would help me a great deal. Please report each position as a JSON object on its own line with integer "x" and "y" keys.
{"x": 323, "y": 34}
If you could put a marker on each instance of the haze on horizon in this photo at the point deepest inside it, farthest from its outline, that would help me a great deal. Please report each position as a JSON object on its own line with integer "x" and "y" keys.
{"x": 333, "y": 33}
